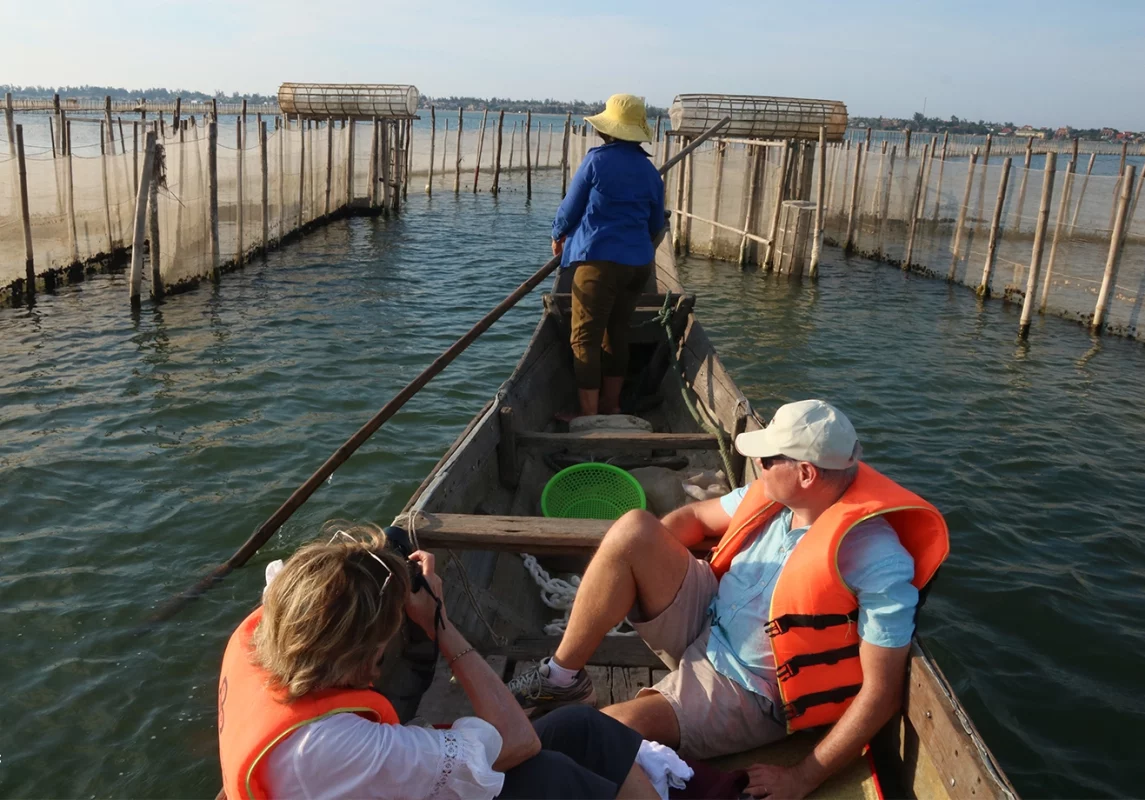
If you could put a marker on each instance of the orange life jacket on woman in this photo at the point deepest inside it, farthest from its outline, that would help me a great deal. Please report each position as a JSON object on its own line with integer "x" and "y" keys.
{"x": 253, "y": 717}
{"x": 813, "y": 615}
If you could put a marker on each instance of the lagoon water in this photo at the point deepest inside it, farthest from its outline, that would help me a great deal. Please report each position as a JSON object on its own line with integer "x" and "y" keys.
{"x": 136, "y": 452}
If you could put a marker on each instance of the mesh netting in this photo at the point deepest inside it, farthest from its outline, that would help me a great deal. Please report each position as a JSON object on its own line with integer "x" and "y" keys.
{"x": 873, "y": 198}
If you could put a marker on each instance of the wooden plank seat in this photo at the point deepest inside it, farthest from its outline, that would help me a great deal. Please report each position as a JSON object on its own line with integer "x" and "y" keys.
{"x": 612, "y": 441}
{"x": 536, "y": 535}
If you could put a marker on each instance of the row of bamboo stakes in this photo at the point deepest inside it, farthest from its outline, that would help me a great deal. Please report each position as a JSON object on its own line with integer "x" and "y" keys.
{"x": 1123, "y": 206}
{"x": 390, "y": 162}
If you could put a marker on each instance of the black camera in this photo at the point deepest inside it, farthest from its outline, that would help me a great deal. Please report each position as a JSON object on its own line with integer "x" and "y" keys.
{"x": 398, "y": 539}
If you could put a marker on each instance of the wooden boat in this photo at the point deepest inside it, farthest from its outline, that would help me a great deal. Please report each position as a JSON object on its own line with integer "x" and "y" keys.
{"x": 479, "y": 509}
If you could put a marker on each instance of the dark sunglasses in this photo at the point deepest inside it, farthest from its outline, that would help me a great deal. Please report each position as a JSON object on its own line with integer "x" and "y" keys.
{"x": 771, "y": 461}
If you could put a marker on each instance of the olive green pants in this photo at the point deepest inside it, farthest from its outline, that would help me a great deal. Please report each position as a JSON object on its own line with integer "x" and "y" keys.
{"x": 604, "y": 295}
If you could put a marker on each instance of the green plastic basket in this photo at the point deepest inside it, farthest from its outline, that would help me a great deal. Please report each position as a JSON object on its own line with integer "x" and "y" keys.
{"x": 591, "y": 491}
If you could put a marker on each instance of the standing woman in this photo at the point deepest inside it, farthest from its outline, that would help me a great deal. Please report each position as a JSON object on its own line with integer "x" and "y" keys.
{"x": 604, "y": 229}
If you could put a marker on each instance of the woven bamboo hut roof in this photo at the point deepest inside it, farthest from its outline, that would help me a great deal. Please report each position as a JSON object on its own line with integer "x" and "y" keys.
{"x": 759, "y": 117}
{"x": 354, "y": 100}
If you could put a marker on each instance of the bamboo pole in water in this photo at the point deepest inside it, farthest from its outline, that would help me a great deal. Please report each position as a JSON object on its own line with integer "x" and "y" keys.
{"x": 480, "y": 147}
{"x": 1081, "y": 194}
{"x": 496, "y": 188}
{"x": 941, "y": 169}
{"x": 444, "y": 148}
{"x": 10, "y": 123}
{"x": 349, "y": 125}
{"x": 885, "y": 201}
{"x": 432, "y": 148}
{"x": 239, "y": 192}
{"x": 916, "y": 206}
{"x": 752, "y": 190}
{"x": 995, "y": 224}
{"x": 213, "y": 196}
{"x": 689, "y": 191}
{"x": 529, "y": 154}
{"x": 717, "y": 194}
{"x": 565, "y": 155}
{"x": 154, "y": 253}
{"x": 106, "y": 191}
{"x": 1116, "y": 244}
{"x": 537, "y": 154}
{"x": 512, "y": 145}
{"x": 69, "y": 184}
{"x": 820, "y": 192}
{"x": 264, "y": 185}
{"x": 1059, "y": 225}
{"x": 980, "y": 204}
{"x": 329, "y": 164}
{"x": 877, "y": 194}
{"x": 773, "y": 230}
{"x": 25, "y": 217}
{"x": 926, "y": 174}
{"x": 1039, "y": 244}
{"x": 457, "y": 170}
{"x": 962, "y": 209}
{"x": 1019, "y": 209}
{"x": 849, "y": 241}
{"x": 372, "y": 168}
{"x": 301, "y": 174}
{"x": 407, "y": 163}
{"x": 549, "y": 150}
{"x": 139, "y": 230}
{"x": 384, "y": 168}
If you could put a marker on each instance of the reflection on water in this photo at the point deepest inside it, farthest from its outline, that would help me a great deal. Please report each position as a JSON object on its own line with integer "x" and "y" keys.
{"x": 138, "y": 452}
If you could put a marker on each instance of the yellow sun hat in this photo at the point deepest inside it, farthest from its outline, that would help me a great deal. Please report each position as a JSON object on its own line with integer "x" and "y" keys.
{"x": 624, "y": 117}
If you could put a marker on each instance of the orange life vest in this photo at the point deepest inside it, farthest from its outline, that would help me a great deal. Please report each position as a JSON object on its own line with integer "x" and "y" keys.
{"x": 253, "y": 718}
{"x": 814, "y": 638}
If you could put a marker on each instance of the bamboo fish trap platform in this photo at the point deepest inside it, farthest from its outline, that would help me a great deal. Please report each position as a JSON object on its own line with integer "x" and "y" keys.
{"x": 348, "y": 100}
{"x": 758, "y": 117}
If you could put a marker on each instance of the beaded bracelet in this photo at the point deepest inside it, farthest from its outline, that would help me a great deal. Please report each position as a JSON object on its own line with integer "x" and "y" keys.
{"x": 466, "y": 651}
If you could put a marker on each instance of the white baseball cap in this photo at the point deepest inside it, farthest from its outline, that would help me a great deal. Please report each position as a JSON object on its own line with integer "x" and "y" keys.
{"x": 809, "y": 430}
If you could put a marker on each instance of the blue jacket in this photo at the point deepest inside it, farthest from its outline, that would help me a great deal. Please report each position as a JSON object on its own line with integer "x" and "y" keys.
{"x": 614, "y": 206}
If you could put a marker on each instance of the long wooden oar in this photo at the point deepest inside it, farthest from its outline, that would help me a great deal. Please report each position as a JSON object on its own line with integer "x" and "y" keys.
{"x": 303, "y": 492}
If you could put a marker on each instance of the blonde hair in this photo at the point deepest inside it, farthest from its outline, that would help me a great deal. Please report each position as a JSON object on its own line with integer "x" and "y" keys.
{"x": 324, "y": 615}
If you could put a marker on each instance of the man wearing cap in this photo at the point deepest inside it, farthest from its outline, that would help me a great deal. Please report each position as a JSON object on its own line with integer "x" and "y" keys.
{"x": 603, "y": 232}
{"x": 801, "y": 616}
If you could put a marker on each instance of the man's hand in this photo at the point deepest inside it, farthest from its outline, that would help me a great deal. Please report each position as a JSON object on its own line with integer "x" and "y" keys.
{"x": 778, "y": 783}
{"x": 558, "y": 247}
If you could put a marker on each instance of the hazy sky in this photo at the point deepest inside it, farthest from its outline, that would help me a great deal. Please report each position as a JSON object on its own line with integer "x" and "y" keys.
{"x": 1043, "y": 63}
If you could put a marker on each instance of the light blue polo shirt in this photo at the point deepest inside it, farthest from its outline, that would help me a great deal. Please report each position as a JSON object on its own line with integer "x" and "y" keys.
{"x": 873, "y": 563}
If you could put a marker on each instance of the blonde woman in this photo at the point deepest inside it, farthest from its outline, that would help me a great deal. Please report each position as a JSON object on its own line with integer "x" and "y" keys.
{"x": 299, "y": 715}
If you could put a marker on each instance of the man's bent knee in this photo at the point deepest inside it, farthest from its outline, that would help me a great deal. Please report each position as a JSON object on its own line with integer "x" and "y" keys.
{"x": 637, "y": 529}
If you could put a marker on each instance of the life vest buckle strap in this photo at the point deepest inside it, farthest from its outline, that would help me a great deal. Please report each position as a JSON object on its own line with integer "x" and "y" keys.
{"x": 799, "y": 705}
{"x": 791, "y": 668}
{"x": 819, "y": 622}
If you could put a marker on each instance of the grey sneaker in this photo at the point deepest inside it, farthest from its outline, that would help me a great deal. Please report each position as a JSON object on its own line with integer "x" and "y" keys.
{"x": 538, "y": 696}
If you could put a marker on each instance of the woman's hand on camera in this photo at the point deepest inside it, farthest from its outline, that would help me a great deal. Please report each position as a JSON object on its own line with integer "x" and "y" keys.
{"x": 420, "y": 606}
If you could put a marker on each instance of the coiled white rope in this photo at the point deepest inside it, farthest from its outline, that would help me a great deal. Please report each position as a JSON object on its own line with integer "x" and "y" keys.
{"x": 559, "y": 594}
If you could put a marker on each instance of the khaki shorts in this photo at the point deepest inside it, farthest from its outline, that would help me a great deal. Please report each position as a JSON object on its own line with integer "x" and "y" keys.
{"x": 716, "y": 715}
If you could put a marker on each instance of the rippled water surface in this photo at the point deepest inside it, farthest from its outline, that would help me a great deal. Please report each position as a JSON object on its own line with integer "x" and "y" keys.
{"x": 135, "y": 453}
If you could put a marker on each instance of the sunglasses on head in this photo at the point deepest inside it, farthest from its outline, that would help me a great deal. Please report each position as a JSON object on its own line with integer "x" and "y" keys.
{"x": 389, "y": 572}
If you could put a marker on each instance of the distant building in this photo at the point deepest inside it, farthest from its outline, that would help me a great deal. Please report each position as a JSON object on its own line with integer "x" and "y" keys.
{"x": 1033, "y": 133}
{"x": 1007, "y": 132}
{"x": 1062, "y": 133}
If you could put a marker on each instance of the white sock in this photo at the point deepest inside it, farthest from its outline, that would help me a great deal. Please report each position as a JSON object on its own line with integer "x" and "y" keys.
{"x": 558, "y": 675}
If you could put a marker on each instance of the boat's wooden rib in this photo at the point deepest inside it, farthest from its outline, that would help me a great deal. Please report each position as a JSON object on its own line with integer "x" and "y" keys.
{"x": 480, "y": 508}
